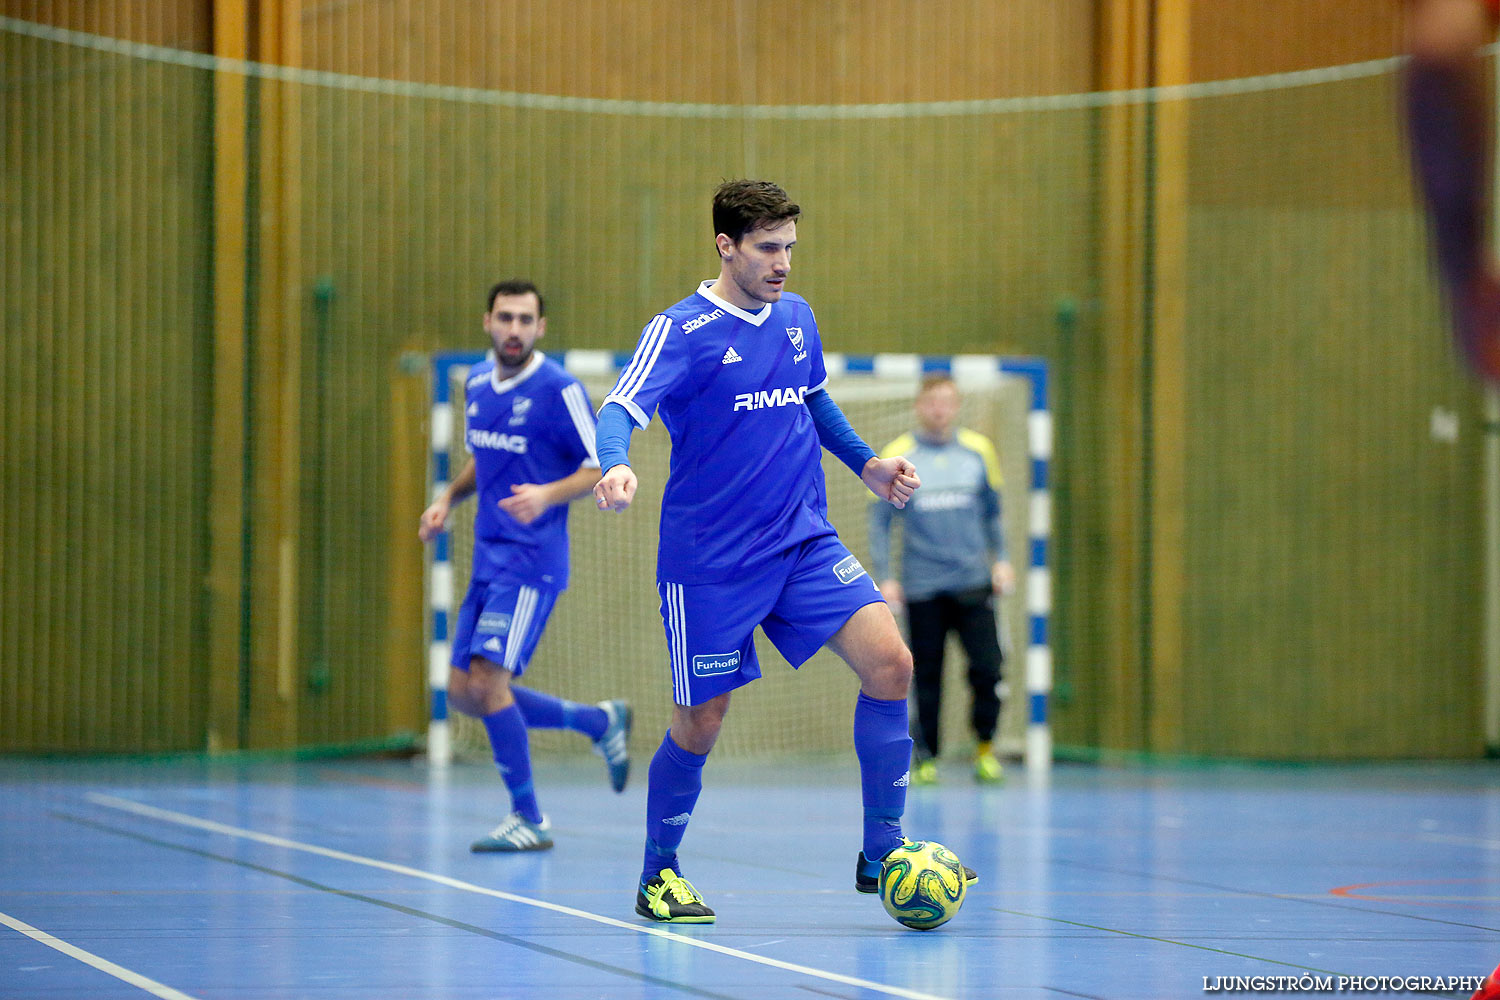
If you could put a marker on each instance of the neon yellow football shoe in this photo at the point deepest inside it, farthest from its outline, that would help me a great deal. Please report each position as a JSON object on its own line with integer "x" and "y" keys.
{"x": 924, "y": 772}
{"x": 671, "y": 899}
{"x": 987, "y": 769}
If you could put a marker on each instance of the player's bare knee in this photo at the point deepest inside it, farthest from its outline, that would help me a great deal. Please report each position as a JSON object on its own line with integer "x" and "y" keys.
{"x": 459, "y": 698}
{"x": 485, "y": 689}
{"x": 695, "y": 728}
{"x": 887, "y": 675}
{"x": 898, "y": 669}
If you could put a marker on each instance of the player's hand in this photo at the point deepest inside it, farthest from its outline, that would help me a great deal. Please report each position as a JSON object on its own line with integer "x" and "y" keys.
{"x": 1003, "y": 577}
{"x": 616, "y": 490}
{"x": 433, "y": 519}
{"x": 527, "y": 502}
{"x": 894, "y": 594}
{"x": 893, "y": 480}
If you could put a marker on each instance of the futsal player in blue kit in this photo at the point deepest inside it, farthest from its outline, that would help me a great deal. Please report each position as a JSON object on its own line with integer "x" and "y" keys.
{"x": 530, "y": 435}
{"x": 736, "y": 372}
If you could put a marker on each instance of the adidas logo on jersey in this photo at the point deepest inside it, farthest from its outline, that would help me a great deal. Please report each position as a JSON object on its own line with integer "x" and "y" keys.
{"x": 730, "y": 357}
{"x": 473, "y": 410}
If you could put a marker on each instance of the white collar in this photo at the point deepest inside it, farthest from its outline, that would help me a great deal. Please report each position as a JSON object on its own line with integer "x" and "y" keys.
{"x": 537, "y": 357}
{"x": 755, "y": 318}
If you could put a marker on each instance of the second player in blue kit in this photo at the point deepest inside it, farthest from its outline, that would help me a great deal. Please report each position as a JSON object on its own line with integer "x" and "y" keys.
{"x": 530, "y": 435}
{"x": 736, "y": 373}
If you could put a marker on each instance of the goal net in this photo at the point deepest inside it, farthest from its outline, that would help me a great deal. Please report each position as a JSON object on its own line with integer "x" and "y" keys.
{"x": 605, "y": 637}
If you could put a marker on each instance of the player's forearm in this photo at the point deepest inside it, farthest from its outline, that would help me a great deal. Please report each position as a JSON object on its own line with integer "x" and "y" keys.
{"x": 612, "y": 437}
{"x": 463, "y": 484}
{"x": 571, "y": 487}
{"x": 994, "y": 528}
{"x": 996, "y": 532}
{"x": 836, "y": 434}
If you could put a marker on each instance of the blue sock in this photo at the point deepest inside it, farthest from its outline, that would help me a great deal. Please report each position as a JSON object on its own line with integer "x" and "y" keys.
{"x": 546, "y": 711}
{"x": 672, "y": 787}
{"x": 882, "y": 742}
{"x": 507, "y": 729}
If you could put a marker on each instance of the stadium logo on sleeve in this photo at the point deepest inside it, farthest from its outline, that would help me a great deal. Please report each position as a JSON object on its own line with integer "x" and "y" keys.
{"x": 848, "y": 569}
{"x": 701, "y": 320}
{"x": 713, "y": 664}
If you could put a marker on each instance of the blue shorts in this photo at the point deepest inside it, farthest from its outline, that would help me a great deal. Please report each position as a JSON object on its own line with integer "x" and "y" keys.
{"x": 799, "y": 599}
{"x": 502, "y": 621}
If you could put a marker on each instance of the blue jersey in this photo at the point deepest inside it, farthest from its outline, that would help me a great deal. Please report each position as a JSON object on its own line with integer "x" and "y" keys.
{"x": 535, "y": 427}
{"x": 746, "y": 481}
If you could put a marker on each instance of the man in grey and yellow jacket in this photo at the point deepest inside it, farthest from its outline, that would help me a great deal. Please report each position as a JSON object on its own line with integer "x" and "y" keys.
{"x": 953, "y": 564}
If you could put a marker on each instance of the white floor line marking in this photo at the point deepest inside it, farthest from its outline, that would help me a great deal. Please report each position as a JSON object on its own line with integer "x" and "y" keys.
{"x": 88, "y": 958}
{"x": 184, "y": 819}
{"x": 1448, "y": 838}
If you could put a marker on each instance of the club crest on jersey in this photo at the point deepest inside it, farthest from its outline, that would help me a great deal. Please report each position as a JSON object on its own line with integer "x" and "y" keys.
{"x": 519, "y": 409}
{"x": 789, "y": 396}
{"x": 794, "y": 334}
{"x": 848, "y": 569}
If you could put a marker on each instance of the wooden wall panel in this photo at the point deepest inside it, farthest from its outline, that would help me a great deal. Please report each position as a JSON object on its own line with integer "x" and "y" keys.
{"x": 1207, "y": 250}
{"x": 1235, "y": 38}
{"x": 181, "y": 24}
{"x": 103, "y": 497}
{"x": 1333, "y": 606}
{"x": 745, "y": 52}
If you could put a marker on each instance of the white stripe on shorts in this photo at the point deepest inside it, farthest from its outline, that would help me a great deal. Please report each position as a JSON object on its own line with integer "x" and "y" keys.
{"x": 670, "y": 618}
{"x": 520, "y": 621}
{"x": 682, "y": 643}
{"x": 676, "y": 640}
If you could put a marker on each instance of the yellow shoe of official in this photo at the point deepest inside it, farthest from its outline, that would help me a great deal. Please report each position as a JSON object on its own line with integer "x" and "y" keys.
{"x": 987, "y": 769}
{"x": 924, "y": 772}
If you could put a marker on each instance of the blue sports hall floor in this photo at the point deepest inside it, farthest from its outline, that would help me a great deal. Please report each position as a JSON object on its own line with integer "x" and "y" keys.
{"x": 334, "y": 879}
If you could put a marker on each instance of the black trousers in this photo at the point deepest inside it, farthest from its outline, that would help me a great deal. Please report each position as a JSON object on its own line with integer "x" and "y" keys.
{"x": 970, "y": 613}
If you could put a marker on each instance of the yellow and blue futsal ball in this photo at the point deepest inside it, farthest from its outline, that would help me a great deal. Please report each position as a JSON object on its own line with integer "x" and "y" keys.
{"x": 922, "y": 884}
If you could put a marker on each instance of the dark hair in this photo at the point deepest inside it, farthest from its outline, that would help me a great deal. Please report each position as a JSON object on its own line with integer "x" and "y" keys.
{"x": 743, "y": 205}
{"x": 515, "y": 286}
